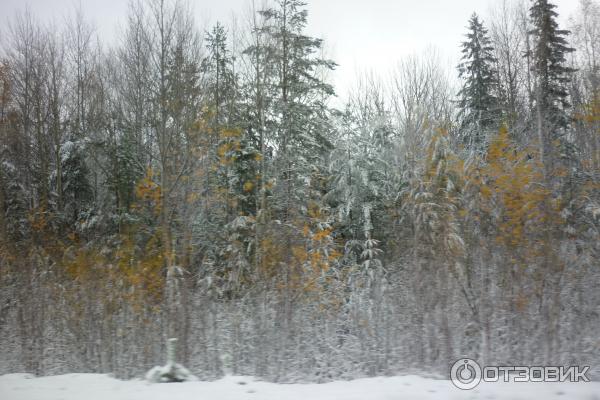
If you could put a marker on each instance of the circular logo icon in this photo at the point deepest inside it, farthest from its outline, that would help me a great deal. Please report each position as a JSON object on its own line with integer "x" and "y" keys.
{"x": 465, "y": 374}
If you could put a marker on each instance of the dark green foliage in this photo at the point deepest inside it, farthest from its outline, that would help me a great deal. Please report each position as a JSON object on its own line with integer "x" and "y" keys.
{"x": 298, "y": 114}
{"x": 77, "y": 191}
{"x": 478, "y": 105}
{"x": 549, "y": 54}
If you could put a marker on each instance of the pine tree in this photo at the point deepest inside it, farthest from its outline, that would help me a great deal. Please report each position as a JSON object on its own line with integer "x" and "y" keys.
{"x": 297, "y": 126}
{"x": 299, "y": 114}
{"x": 236, "y": 155}
{"x": 550, "y": 49}
{"x": 219, "y": 66}
{"x": 361, "y": 181}
{"x": 477, "y": 100}
{"x": 77, "y": 191}
{"x": 125, "y": 172}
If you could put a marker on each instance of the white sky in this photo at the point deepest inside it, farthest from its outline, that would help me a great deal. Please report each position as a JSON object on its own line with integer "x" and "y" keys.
{"x": 360, "y": 35}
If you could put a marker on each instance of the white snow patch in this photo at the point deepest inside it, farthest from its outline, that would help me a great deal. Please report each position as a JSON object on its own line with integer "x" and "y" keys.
{"x": 170, "y": 373}
{"x": 101, "y": 387}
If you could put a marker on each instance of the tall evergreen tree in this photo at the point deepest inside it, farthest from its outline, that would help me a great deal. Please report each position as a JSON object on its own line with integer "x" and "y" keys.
{"x": 477, "y": 101}
{"x": 299, "y": 113}
{"x": 550, "y": 48}
{"x": 219, "y": 66}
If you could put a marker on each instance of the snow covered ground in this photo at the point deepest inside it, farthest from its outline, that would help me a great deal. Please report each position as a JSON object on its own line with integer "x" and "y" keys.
{"x": 102, "y": 387}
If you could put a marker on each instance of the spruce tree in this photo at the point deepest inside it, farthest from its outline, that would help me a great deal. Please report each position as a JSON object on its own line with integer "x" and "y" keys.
{"x": 550, "y": 48}
{"x": 477, "y": 101}
{"x": 218, "y": 65}
{"x": 236, "y": 154}
{"x": 77, "y": 191}
{"x": 299, "y": 115}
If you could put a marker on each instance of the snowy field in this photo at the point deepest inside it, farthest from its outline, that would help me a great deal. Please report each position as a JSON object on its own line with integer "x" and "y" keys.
{"x": 102, "y": 387}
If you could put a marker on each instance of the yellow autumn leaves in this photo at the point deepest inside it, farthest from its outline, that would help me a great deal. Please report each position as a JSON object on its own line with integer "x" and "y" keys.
{"x": 509, "y": 198}
{"x": 512, "y": 187}
{"x": 502, "y": 189}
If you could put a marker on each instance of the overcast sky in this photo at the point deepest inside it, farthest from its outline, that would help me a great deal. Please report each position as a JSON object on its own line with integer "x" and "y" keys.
{"x": 360, "y": 35}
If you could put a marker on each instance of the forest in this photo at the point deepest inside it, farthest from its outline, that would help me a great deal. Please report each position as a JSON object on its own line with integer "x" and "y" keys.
{"x": 206, "y": 183}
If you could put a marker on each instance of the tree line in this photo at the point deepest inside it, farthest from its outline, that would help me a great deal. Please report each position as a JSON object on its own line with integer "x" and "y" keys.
{"x": 199, "y": 184}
